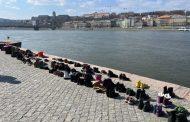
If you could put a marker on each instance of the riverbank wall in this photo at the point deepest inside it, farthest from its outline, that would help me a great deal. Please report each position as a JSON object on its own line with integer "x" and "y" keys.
{"x": 100, "y": 29}
{"x": 13, "y": 43}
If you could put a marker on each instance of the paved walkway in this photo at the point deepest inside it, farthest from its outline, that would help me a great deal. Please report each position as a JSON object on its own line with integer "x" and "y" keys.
{"x": 30, "y": 94}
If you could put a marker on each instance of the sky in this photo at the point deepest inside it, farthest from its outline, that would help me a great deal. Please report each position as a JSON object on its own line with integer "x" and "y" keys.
{"x": 25, "y": 9}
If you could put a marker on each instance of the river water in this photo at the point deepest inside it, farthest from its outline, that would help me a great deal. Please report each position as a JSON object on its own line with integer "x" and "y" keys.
{"x": 162, "y": 55}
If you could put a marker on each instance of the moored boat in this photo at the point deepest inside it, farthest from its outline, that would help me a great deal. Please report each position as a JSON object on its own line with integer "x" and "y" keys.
{"x": 184, "y": 29}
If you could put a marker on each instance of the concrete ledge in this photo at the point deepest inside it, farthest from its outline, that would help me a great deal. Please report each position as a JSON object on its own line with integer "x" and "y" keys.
{"x": 13, "y": 43}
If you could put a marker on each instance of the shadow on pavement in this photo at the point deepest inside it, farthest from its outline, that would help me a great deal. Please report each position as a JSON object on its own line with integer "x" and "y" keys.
{"x": 9, "y": 79}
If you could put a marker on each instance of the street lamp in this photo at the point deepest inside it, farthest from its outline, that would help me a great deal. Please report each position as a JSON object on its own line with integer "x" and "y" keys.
{"x": 185, "y": 17}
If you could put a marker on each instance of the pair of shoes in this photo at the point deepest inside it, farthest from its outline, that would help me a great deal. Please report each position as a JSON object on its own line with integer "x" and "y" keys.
{"x": 96, "y": 70}
{"x": 111, "y": 93}
{"x": 167, "y": 103}
{"x": 58, "y": 73}
{"x": 77, "y": 65}
{"x": 141, "y": 85}
{"x": 123, "y": 77}
{"x": 88, "y": 80}
{"x": 98, "y": 77}
{"x": 157, "y": 109}
{"x": 60, "y": 59}
{"x": 65, "y": 61}
{"x": 169, "y": 90}
{"x": 131, "y": 100}
{"x": 75, "y": 76}
{"x": 180, "y": 109}
{"x": 161, "y": 97}
{"x": 80, "y": 81}
{"x": 51, "y": 71}
{"x": 164, "y": 99}
{"x": 100, "y": 90}
{"x": 120, "y": 87}
{"x": 97, "y": 85}
{"x": 173, "y": 116}
{"x": 130, "y": 92}
{"x": 141, "y": 94}
{"x": 147, "y": 107}
{"x": 104, "y": 72}
{"x": 46, "y": 60}
{"x": 66, "y": 75}
{"x": 111, "y": 74}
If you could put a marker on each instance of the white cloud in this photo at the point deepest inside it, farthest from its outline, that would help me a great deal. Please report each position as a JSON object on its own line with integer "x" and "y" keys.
{"x": 71, "y": 11}
{"x": 147, "y": 5}
{"x": 46, "y": 2}
{"x": 88, "y": 4}
{"x": 7, "y": 1}
{"x": 12, "y": 7}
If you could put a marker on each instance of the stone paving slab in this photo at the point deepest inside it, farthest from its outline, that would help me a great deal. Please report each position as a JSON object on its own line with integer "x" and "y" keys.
{"x": 30, "y": 94}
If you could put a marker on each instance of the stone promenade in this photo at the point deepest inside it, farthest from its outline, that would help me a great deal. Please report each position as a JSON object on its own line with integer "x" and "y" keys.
{"x": 28, "y": 94}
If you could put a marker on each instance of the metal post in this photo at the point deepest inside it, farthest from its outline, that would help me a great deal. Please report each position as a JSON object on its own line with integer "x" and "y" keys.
{"x": 185, "y": 18}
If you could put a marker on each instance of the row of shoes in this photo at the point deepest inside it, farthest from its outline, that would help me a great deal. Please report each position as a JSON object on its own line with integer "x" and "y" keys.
{"x": 133, "y": 97}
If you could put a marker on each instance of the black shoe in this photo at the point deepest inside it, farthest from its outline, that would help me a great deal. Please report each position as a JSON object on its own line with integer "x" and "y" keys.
{"x": 138, "y": 93}
{"x": 171, "y": 116}
{"x": 111, "y": 74}
{"x": 130, "y": 92}
{"x": 117, "y": 86}
{"x": 104, "y": 72}
{"x": 120, "y": 76}
{"x": 165, "y": 90}
{"x": 51, "y": 71}
{"x": 96, "y": 70}
{"x": 141, "y": 104}
{"x": 120, "y": 87}
{"x": 111, "y": 93}
{"x": 125, "y": 78}
{"x": 181, "y": 117}
{"x": 147, "y": 107}
{"x": 170, "y": 91}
